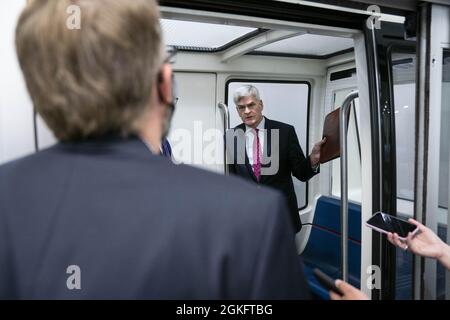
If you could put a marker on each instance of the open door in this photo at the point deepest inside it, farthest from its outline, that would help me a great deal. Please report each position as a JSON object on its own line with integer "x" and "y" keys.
{"x": 377, "y": 52}
{"x": 432, "y": 180}
{"x": 410, "y": 122}
{"x": 392, "y": 69}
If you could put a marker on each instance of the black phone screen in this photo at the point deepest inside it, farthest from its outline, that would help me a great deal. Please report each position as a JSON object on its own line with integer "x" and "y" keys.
{"x": 391, "y": 224}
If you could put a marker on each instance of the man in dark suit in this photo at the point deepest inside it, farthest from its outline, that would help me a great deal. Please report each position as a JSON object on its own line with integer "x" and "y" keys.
{"x": 267, "y": 152}
{"x": 101, "y": 215}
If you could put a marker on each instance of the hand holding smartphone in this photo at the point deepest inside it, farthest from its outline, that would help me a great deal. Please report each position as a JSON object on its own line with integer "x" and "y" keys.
{"x": 386, "y": 223}
{"x": 326, "y": 281}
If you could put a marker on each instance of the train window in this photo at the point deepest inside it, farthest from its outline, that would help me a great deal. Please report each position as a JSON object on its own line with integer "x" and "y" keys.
{"x": 403, "y": 71}
{"x": 445, "y": 132}
{"x": 443, "y": 170}
{"x": 284, "y": 101}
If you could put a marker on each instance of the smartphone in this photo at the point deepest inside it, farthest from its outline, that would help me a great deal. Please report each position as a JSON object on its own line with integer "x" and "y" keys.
{"x": 326, "y": 281}
{"x": 386, "y": 223}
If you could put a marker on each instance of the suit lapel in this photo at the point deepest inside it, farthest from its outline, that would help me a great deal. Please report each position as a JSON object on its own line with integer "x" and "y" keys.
{"x": 267, "y": 150}
{"x": 249, "y": 166}
{"x": 267, "y": 140}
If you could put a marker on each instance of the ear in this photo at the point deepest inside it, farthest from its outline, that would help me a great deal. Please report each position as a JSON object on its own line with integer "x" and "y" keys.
{"x": 262, "y": 105}
{"x": 165, "y": 84}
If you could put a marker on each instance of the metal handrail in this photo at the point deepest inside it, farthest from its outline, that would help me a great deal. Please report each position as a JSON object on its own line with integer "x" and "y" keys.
{"x": 226, "y": 126}
{"x": 343, "y": 123}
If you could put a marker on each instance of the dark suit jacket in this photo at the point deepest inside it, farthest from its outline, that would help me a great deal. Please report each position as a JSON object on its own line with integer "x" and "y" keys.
{"x": 292, "y": 161}
{"x": 139, "y": 227}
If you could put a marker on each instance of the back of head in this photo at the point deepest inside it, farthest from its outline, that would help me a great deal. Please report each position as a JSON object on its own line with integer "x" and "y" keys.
{"x": 92, "y": 80}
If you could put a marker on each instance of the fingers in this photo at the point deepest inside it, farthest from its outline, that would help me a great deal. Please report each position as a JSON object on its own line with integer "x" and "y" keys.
{"x": 334, "y": 296}
{"x": 390, "y": 238}
{"x": 409, "y": 238}
{"x": 349, "y": 292}
{"x": 420, "y": 226}
{"x": 398, "y": 242}
{"x": 321, "y": 142}
{"x": 344, "y": 286}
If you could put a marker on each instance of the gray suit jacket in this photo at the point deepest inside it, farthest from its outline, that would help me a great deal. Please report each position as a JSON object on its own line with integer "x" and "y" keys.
{"x": 139, "y": 227}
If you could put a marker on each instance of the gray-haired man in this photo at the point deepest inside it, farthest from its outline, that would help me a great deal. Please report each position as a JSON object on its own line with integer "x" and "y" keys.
{"x": 272, "y": 153}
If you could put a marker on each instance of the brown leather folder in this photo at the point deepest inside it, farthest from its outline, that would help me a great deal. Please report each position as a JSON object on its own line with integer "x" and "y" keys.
{"x": 331, "y": 149}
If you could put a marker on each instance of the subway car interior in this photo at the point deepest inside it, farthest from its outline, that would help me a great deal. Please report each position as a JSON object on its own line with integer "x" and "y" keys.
{"x": 309, "y": 58}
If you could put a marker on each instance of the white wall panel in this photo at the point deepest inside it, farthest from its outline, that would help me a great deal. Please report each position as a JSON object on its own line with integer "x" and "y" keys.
{"x": 194, "y": 137}
{"x": 16, "y": 112}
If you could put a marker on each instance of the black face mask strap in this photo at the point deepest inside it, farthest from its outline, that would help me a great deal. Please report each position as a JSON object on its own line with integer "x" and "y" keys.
{"x": 160, "y": 95}
{"x": 171, "y": 105}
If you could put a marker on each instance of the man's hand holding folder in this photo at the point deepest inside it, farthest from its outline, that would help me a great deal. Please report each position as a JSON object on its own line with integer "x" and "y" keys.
{"x": 331, "y": 149}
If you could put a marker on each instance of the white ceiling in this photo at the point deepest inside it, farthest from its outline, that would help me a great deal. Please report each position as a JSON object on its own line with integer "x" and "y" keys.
{"x": 199, "y": 34}
{"x": 207, "y": 35}
{"x": 309, "y": 44}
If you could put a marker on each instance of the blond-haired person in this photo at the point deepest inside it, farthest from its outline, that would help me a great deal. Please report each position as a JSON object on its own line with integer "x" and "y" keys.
{"x": 102, "y": 214}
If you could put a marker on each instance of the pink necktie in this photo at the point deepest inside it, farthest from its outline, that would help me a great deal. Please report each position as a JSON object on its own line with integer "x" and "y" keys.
{"x": 256, "y": 156}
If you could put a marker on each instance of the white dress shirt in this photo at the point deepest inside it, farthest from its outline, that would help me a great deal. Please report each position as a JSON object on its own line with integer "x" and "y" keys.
{"x": 250, "y": 136}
